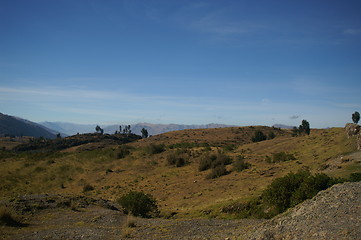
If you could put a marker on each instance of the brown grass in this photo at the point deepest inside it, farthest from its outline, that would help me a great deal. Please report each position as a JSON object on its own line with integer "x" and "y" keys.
{"x": 183, "y": 190}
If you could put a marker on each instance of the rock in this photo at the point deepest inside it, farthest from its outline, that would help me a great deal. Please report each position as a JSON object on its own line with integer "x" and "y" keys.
{"x": 332, "y": 214}
{"x": 354, "y": 130}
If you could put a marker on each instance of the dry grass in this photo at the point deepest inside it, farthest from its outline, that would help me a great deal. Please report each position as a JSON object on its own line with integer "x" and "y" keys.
{"x": 183, "y": 190}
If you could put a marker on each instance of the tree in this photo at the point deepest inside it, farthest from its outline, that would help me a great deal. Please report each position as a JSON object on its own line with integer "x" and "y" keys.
{"x": 144, "y": 133}
{"x": 356, "y": 117}
{"x": 305, "y": 127}
{"x": 99, "y": 129}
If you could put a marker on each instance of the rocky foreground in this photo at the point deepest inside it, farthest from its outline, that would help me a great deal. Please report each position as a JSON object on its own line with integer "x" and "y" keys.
{"x": 333, "y": 214}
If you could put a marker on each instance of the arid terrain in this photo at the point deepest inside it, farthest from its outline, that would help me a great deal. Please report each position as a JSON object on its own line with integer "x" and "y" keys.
{"x": 71, "y": 193}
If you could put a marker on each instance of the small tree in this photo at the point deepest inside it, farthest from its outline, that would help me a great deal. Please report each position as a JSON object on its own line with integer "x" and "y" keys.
{"x": 139, "y": 204}
{"x": 99, "y": 129}
{"x": 356, "y": 117}
{"x": 144, "y": 133}
{"x": 305, "y": 127}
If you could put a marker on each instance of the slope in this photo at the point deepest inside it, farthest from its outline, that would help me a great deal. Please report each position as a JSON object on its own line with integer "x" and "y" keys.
{"x": 181, "y": 191}
{"x": 14, "y": 126}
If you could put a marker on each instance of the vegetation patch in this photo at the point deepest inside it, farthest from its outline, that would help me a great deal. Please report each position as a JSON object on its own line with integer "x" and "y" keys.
{"x": 7, "y": 218}
{"x": 283, "y": 193}
{"x": 155, "y": 148}
{"x": 240, "y": 164}
{"x": 139, "y": 204}
{"x": 280, "y": 157}
{"x": 177, "y": 159}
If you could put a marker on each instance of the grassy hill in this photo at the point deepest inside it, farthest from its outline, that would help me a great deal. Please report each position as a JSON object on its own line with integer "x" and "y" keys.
{"x": 111, "y": 170}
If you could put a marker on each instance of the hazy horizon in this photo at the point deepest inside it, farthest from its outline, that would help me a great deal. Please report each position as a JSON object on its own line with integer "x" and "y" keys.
{"x": 184, "y": 62}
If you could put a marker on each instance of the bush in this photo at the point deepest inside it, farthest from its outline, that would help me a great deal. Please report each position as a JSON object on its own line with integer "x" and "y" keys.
{"x": 355, "y": 177}
{"x": 88, "y": 188}
{"x": 7, "y": 218}
{"x": 213, "y": 160}
{"x": 217, "y": 172}
{"x": 281, "y": 194}
{"x": 206, "y": 162}
{"x": 139, "y": 204}
{"x": 259, "y": 136}
{"x": 123, "y": 151}
{"x": 177, "y": 158}
{"x": 293, "y": 189}
{"x": 280, "y": 157}
{"x": 239, "y": 164}
{"x": 155, "y": 148}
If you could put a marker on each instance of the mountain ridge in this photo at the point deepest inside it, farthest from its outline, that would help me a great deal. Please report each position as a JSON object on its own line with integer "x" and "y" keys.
{"x": 152, "y": 128}
{"x": 16, "y": 126}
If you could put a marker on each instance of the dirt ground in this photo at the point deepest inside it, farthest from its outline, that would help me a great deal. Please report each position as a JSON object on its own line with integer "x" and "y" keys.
{"x": 89, "y": 219}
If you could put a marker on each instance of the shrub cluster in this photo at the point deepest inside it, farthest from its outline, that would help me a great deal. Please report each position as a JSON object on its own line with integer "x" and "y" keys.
{"x": 139, "y": 204}
{"x": 239, "y": 164}
{"x": 280, "y": 157}
{"x": 177, "y": 158}
{"x": 123, "y": 151}
{"x": 260, "y": 136}
{"x": 155, "y": 148}
{"x": 216, "y": 162}
{"x": 294, "y": 188}
{"x": 283, "y": 193}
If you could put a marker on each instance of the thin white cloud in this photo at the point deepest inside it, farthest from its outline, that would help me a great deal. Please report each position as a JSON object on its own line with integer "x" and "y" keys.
{"x": 352, "y": 31}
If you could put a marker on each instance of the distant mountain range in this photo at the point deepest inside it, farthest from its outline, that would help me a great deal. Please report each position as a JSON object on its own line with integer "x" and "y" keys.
{"x": 15, "y": 126}
{"x": 153, "y": 129}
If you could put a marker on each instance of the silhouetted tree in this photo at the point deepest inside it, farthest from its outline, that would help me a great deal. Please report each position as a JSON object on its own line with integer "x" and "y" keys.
{"x": 305, "y": 127}
{"x": 144, "y": 133}
{"x": 356, "y": 117}
{"x": 99, "y": 129}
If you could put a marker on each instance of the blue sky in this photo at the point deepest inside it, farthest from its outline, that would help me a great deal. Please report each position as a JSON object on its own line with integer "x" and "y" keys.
{"x": 233, "y": 62}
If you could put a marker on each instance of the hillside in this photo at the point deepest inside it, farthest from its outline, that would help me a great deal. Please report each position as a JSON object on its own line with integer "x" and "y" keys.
{"x": 332, "y": 214}
{"x": 13, "y": 126}
{"x": 113, "y": 170}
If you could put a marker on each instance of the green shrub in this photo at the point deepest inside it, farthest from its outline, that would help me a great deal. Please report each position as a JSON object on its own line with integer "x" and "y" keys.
{"x": 239, "y": 164}
{"x": 259, "y": 136}
{"x": 294, "y": 188}
{"x": 355, "y": 177}
{"x": 280, "y": 157}
{"x": 155, "y": 148}
{"x": 213, "y": 160}
{"x": 139, "y": 204}
{"x": 281, "y": 194}
{"x": 271, "y": 135}
{"x": 88, "y": 188}
{"x": 206, "y": 161}
{"x": 123, "y": 151}
{"x": 176, "y": 159}
{"x": 7, "y": 218}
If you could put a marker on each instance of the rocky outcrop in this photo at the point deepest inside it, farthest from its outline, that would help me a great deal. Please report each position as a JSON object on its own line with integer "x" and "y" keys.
{"x": 354, "y": 130}
{"x": 332, "y": 214}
